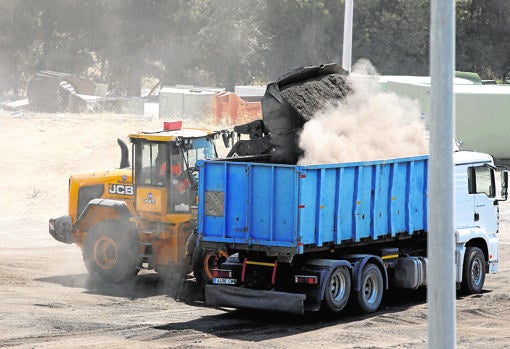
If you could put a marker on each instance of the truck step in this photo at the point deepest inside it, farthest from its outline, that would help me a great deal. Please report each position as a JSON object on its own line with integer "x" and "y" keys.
{"x": 145, "y": 265}
{"x": 146, "y": 261}
{"x": 147, "y": 255}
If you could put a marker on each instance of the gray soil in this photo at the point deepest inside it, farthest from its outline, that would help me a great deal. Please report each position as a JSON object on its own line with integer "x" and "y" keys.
{"x": 48, "y": 301}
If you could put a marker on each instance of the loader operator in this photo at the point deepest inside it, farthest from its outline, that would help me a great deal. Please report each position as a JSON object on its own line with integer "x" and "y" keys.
{"x": 179, "y": 180}
{"x": 180, "y": 185}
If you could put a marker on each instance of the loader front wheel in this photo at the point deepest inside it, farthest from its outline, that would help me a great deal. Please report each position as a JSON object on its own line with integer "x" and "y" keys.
{"x": 204, "y": 262}
{"x": 111, "y": 251}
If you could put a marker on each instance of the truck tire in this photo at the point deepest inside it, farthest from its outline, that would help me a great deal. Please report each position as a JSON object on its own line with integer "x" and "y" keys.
{"x": 473, "y": 274}
{"x": 204, "y": 262}
{"x": 337, "y": 290}
{"x": 111, "y": 251}
{"x": 370, "y": 295}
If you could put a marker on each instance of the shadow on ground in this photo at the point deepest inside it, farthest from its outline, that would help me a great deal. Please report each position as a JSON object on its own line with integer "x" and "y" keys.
{"x": 246, "y": 325}
{"x": 142, "y": 286}
{"x": 256, "y": 326}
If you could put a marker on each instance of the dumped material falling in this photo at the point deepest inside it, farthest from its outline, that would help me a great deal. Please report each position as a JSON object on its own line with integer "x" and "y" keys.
{"x": 291, "y": 101}
{"x": 317, "y": 115}
{"x": 368, "y": 124}
{"x": 313, "y": 95}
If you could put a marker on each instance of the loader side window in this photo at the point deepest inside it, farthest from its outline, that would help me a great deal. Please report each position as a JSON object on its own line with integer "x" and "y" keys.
{"x": 160, "y": 164}
{"x": 481, "y": 181}
{"x": 149, "y": 164}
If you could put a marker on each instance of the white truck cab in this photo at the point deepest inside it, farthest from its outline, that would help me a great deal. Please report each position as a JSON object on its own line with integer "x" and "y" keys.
{"x": 476, "y": 218}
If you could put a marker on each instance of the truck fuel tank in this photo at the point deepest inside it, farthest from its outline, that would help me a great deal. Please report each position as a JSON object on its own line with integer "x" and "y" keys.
{"x": 410, "y": 273}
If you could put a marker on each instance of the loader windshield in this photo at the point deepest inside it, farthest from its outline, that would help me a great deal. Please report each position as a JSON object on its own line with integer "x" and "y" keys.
{"x": 198, "y": 149}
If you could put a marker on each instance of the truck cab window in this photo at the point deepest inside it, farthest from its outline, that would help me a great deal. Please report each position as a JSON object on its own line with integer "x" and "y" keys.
{"x": 481, "y": 181}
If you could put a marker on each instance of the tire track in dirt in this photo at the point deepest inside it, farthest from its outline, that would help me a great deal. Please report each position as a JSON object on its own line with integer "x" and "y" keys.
{"x": 46, "y": 300}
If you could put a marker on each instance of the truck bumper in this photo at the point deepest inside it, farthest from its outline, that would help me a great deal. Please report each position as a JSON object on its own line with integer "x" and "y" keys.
{"x": 61, "y": 229}
{"x": 237, "y": 297}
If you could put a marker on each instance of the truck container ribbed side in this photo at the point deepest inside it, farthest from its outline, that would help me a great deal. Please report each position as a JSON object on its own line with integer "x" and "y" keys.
{"x": 300, "y": 207}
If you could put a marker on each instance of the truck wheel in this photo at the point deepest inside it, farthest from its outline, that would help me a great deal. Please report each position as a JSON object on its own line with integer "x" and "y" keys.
{"x": 111, "y": 251}
{"x": 473, "y": 275}
{"x": 204, "y": 262}
{"x": 337, "y": 290}
{"x": 370, "y": 295}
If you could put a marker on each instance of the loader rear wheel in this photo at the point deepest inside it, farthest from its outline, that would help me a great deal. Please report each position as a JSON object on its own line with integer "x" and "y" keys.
{"x": 473, "y": 275}
{"x": 111, "y": 251}
{"x": 337, "y": 290}
{"x": 370, "y": 295}
{"x": 204, "y": 262}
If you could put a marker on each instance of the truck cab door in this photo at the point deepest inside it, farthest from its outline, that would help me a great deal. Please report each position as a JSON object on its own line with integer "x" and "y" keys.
{"x": 464, "y": 200}
{"x": 482, "y": 185}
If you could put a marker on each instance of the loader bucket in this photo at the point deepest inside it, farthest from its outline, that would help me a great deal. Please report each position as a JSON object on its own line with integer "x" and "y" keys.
{"x": 293, "y": 99}
{"x": 287, "y": 105}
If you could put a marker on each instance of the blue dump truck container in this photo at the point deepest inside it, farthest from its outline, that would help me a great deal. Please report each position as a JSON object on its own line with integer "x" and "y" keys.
{"x": 288, "y": 209}
{"x": 303, "y": 238}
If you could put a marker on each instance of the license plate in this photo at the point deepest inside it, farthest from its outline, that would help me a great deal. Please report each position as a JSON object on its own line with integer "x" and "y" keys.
{"x": 224, "y": 281}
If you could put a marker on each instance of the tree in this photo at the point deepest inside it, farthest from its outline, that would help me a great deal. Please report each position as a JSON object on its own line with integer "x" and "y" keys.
{"x": 141, "y": 33}
{"x": 226, "y": 43}
{"x": 300, "y": 33}
{"x": 50, "y": 35}
{"x": 482, "y": 44}
{"x": 393, "y": 35}
{"x": 229, "y": 42}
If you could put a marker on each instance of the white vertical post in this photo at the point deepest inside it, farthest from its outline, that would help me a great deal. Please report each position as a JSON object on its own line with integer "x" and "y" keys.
{"x": 441, "y": 240}
{"x": 347, "y": 43}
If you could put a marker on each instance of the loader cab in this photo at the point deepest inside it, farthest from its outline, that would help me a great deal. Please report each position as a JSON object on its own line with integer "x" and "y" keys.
{"x": 164, "y": 171}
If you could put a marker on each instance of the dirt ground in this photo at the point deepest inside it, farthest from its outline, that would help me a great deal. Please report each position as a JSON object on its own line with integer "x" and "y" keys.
{"x": 47, "y": 301}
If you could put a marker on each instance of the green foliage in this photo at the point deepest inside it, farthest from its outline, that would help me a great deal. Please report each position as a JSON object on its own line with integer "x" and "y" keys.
{"x": 48, "y": 35}
{"x": 482, "y": 37}
{"x": 227, "y": 43}
{"x": 302, "y": 32}
{"x": 394, "y": 35}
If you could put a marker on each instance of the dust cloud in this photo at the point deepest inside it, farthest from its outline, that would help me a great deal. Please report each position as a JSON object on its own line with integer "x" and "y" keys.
{"x": 369, "y": 124}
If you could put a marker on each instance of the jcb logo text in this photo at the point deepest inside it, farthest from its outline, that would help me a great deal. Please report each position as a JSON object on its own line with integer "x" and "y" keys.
{"x": 120, "y": 189}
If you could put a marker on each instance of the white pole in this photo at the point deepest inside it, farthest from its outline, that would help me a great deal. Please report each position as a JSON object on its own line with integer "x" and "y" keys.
{"x": 347, "y": 43}
{"x": 441, "y": 239}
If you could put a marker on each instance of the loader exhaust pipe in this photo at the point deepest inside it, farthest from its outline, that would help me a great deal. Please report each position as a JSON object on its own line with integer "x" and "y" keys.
{"x": 124, "y": 157}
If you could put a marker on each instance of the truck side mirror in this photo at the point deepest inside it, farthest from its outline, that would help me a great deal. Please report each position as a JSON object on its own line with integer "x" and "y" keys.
{"x": 504, "y": 185}
{"x": 226, "y": 136}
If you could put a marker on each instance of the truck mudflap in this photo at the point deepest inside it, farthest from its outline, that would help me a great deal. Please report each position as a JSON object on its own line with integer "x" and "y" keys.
{"x": 61, "y": 229}
{"x": 237, "y": 297}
